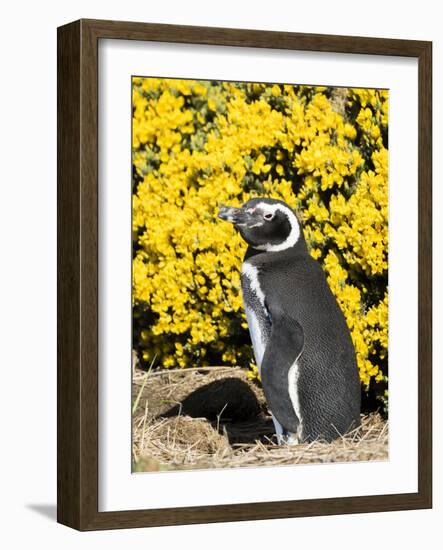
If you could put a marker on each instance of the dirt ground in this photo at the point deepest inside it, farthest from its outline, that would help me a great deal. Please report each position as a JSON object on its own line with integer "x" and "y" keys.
{"x": 217, "y": 418}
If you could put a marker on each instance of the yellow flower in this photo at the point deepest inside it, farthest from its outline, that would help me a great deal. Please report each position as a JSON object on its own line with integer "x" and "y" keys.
{"x": 198, "y": 144}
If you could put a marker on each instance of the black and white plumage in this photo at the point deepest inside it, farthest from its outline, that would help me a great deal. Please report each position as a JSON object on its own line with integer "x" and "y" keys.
{"x": 301, "y": 342}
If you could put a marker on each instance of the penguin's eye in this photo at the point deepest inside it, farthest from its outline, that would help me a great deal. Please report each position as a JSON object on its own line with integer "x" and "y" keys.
{"x": 268, "y": 216}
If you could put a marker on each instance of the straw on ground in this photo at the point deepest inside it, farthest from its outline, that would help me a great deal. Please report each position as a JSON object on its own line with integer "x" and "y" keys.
{"x": 187, "y": 439}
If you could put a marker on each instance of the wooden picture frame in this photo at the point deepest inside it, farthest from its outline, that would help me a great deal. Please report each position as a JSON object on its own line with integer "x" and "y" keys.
{"x": 78, "y": 244}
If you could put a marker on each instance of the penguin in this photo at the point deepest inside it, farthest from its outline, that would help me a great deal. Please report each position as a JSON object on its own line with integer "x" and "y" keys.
{"x": 302, "y": 344}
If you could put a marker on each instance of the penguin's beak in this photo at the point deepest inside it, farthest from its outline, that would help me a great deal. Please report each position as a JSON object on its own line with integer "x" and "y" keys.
{"x": 237, "y": 216}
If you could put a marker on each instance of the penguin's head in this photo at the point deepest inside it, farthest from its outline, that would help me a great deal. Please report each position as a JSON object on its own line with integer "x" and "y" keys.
{"x": 265, "y": 224}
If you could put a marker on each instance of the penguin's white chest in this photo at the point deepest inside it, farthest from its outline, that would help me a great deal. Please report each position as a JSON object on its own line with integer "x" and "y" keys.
{"x": 257, "y": 336}
{"x": 256, "y": 313}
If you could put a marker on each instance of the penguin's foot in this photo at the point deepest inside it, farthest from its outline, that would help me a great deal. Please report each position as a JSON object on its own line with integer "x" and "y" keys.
{"x": 284, "y": 437}
{"x": 288, "y": 439}
{"x": 292, "y": 439}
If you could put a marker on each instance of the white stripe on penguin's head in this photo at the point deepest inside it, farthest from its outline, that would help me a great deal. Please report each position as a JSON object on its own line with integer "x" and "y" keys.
{"x": 294, "y": 233}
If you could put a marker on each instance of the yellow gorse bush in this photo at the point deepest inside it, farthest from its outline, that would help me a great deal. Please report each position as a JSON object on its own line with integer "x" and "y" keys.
{"x": 199, "y": 144}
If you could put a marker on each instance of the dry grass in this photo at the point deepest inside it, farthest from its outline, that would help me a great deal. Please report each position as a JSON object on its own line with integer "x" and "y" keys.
{"x": 216, "y": 418}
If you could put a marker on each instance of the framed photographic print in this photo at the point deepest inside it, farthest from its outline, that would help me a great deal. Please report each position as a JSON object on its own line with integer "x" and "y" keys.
{"x": 244, "y": 274}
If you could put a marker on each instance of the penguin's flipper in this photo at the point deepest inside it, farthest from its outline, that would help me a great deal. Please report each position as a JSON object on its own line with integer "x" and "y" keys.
{"x": 283, "y": 349}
